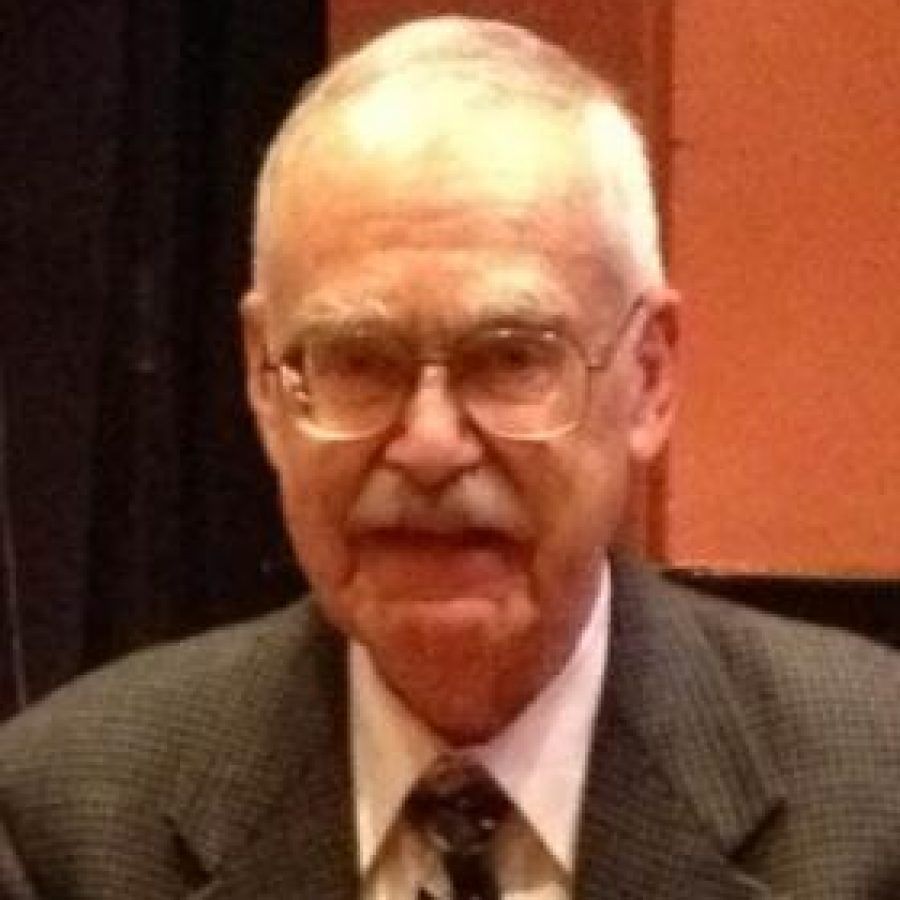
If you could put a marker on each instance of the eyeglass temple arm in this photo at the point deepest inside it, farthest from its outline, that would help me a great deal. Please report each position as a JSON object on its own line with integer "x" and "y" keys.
{"x": 606, "y": 351}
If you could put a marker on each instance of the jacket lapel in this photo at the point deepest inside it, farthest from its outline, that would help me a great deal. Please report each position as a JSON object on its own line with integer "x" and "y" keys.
{"x": 264, "y": 808}
{"x": 677, "y": 781}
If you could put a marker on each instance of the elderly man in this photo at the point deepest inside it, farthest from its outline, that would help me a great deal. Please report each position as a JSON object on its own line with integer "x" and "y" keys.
{"x": 459, "y": 343}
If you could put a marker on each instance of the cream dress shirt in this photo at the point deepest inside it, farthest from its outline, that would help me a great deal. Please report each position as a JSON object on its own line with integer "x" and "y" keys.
{"x": 539, "y": 760}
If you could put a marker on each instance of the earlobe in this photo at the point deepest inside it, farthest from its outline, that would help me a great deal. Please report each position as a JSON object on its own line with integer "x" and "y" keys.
{"x": 656, "y": 361}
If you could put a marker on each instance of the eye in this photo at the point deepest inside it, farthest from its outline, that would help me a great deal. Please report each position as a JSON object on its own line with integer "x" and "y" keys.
{"x": 354, "y": 367}
{"x": 351, "y": 357}
{"x": 515, "y": 364}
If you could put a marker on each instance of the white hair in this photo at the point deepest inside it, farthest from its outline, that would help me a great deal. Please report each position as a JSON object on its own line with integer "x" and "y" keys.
{"x": 495, "y": 64}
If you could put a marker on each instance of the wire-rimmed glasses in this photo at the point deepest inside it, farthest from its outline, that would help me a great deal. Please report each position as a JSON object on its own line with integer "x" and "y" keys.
{"x": 513, "y": 380}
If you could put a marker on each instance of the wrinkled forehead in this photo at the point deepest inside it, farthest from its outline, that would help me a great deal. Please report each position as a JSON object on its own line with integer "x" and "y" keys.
{"x": 449, "y": 119}
{"x": 400, "y": 197}
{"x": 396, "y": 149}
{"x": 439, "y": 113}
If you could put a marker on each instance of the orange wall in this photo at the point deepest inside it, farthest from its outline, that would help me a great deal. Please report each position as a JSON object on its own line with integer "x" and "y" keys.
{"x": 775, "y": 132}
{"x": 784, "y": 224}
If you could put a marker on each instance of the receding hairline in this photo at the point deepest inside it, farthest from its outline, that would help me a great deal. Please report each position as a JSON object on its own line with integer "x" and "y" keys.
{"x": 511, "y": 52}
{"x": 493, "y": 62}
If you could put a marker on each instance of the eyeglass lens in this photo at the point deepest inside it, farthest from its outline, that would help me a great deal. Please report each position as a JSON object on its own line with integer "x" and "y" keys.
{"x": 513, "y": 381}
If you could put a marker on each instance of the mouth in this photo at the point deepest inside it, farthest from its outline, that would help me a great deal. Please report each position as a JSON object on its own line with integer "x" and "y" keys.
{"x": 441, "y": 564}
{"x": 436, "y": 538}
{"x": 440, "y": 544}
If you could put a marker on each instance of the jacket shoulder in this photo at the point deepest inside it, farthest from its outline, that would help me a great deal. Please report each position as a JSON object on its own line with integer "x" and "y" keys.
{"x": 808, "y": 672}
{"x": 95, "y": 779}
{"x": 817, "y": 713}
{"x": 132, "y": 720}
{"x": 823, "y": 700}
{"x": 800, "y": 683}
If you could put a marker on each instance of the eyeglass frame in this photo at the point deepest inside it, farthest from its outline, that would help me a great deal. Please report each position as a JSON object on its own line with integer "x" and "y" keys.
{"x": 597, "y": 362}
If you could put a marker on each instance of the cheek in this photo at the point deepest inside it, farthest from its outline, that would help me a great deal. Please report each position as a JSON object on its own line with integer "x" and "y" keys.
{"x": 564, "y": 480}
{"x": 318, "y": 483}
{"x": 576, "y": 489}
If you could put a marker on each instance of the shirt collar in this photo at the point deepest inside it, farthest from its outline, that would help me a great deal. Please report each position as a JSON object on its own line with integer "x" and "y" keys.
{"x": 540, "y": 758}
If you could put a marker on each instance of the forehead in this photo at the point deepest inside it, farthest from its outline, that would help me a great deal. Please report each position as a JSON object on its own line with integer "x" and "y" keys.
{"x": 437, "y": 223}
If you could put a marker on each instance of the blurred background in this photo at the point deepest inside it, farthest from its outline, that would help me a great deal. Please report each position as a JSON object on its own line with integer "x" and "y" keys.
{"x": 134, "y": 503}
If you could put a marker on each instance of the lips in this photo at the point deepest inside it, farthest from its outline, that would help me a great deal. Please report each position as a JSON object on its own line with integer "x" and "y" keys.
{"x": 439, "y": 565}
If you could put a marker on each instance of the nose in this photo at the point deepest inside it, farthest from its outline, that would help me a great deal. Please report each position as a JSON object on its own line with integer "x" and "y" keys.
{"x": 434, "y": 442}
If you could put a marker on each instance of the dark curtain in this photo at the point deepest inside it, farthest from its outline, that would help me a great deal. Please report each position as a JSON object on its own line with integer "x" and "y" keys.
{"x": 134, "y": 503}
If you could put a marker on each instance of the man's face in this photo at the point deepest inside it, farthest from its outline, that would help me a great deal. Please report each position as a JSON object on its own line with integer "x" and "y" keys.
{"x": 465, "y": 562}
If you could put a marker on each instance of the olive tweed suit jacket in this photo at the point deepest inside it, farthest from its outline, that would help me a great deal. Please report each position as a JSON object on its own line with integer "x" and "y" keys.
{"x": 735, "y": 756}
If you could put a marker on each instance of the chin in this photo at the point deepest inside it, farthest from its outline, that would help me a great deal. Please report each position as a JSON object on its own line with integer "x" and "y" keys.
{"x": 464, "y": 666}
{"x": 465, "y": 701}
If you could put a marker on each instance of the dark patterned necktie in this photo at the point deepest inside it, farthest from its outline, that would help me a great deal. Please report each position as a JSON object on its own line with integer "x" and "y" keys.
{"x": 458, "y": 809}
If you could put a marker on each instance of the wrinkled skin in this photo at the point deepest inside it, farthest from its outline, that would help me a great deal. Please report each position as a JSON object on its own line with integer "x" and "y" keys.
{"x": 467, "y": 614}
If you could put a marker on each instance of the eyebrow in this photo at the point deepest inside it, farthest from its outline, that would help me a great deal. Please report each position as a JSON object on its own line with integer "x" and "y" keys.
{"x": 520, "y": 319}
{"x": 327, "y": 310}
{"x": 518, "y": 305}
{"x": 329, "y": 313}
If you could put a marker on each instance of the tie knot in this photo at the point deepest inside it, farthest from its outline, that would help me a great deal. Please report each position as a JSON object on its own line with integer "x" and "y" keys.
{"x": 458, "y": 807}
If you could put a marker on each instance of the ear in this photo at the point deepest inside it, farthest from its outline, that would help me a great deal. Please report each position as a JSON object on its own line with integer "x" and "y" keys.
{"x": 656, "y": 363}
{"x": 260, "y": 385}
